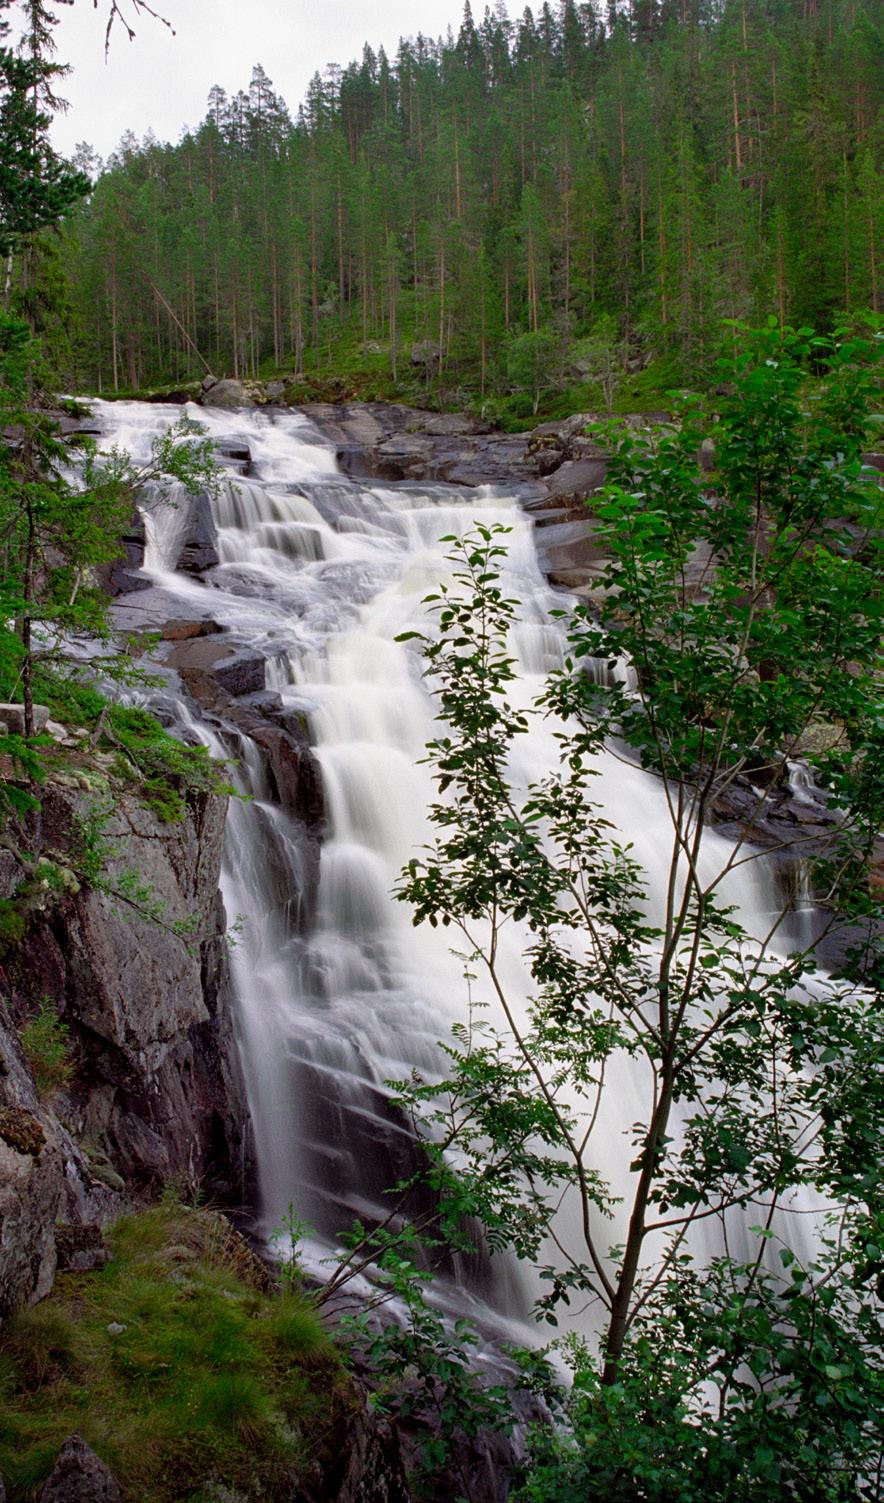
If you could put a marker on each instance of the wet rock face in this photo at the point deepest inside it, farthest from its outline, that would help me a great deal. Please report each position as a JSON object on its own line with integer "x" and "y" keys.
{"x": 199, "y": 546}
{"x": 235, "y": 669}
{"x": 553, "y": 469}
{"x": 385, "y": 441}
{"x": 138, "y": 975}
{"x": 292, "y": 770}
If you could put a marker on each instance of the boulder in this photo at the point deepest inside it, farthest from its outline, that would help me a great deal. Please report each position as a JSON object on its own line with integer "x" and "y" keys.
{"x": 236, "y": 449}
{"x": 13, "y": 718}
{"x": 80, "y": 1476}
{"x": 274, "y": 391}
{"x": 60, "y": 733}
{"x": 185, "y": 631}
{"x": 447, "y": 424}
{"x": 425, "y": 355}
{"x": 237, "y": 669}
{"x": 578, "y": 478}
{"x": 226, "y": 394}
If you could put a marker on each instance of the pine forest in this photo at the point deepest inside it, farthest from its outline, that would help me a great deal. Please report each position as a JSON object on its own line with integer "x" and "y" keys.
{"x": 556, "y": 212}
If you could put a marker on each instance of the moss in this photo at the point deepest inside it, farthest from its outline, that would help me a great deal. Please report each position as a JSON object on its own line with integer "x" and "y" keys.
{"x": 212, "y": 1374}
{"x": 21, "y": 1130}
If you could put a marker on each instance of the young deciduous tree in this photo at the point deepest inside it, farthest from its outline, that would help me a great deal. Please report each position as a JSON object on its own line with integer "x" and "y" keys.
{"x": 747, "y": 610}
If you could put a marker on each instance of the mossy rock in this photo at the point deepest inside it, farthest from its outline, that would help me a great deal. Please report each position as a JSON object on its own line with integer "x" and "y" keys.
{"x": 20, "y": 1130}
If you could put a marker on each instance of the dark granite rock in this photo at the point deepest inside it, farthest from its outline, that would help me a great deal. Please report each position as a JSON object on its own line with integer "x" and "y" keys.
{"x": 148, "y": 610}
{"x": 80, "y": 1476}
{"x": 283, "y": 736}
{"x": 237, "y": 669}
{"x": 362, "y": 1462}
{"x": 156, "y": 1090}
{"x": 12, "y": 717}
{"x": 236, "y": 449}
{"x": 30, "y": 1194}
{"x": 578, "y": 478}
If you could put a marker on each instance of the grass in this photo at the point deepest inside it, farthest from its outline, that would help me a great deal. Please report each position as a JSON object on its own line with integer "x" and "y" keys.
{"x": 213, "y": 1378}
{"x": 44, "y": 1041}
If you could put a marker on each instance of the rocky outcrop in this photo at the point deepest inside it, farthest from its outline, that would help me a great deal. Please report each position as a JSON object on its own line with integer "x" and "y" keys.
{"x": 364, "y": 1465}
{"x": 31, "y": 1182}
{"x": 80, "y": 1476}
{"x": 136, "y": 971}
{"x": 384, "y": 441}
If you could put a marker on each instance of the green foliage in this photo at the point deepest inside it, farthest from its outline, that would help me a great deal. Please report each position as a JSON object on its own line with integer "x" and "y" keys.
{"x": 44, "y": 1041}
{"x": 168, "y": 771}
{"x": 531, "y": 361}
{"x": 174, "y": 1364}
{"x": 36, "y": 185}
{"x": 744, "y": 607}
{"x": 287, "y": 1238}
{"x": 53, "y": 533}
{"x": 752, "y": 1385}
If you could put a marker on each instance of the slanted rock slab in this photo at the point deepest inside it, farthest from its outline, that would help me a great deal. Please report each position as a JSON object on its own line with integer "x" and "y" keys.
{"x": 80, "y": 1476}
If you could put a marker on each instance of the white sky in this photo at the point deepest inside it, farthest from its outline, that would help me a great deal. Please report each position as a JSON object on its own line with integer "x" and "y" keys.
{"x": 160, "y": 81}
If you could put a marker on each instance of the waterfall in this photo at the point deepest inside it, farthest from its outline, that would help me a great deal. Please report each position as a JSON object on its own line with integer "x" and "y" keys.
{"x": 320, "y": 574}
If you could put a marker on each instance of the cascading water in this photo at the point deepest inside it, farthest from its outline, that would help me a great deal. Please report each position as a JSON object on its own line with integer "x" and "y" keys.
{"x": 320, "y": 574}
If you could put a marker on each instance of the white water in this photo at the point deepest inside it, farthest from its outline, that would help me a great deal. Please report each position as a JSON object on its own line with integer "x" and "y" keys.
{"x": 322, "y": 574}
